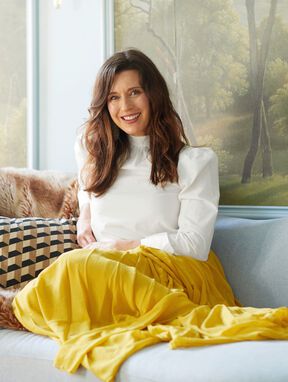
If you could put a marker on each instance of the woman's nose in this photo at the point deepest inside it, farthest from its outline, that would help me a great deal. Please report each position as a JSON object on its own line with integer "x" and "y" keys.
{"x": 125, "y": 103}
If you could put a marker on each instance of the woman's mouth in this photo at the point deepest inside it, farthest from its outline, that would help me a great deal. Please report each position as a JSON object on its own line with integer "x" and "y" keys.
{"x": 131, "y": 118}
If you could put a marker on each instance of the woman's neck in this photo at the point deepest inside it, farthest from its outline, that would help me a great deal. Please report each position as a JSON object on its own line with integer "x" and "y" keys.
{"x": 142, "y": 140}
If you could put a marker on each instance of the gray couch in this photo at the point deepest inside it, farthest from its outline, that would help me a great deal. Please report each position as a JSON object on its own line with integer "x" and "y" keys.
{"x": 254, "y": 254}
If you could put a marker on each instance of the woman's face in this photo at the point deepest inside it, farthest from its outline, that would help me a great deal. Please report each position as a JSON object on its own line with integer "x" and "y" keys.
{"x": 128, "y": 104}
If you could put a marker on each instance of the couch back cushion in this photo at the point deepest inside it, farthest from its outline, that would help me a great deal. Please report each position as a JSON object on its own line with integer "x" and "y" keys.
{"x": 28, "y": 245}
{"x": 254, "y": 254}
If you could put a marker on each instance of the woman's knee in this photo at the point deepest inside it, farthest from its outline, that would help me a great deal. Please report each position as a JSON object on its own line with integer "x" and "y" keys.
{"x": 74, "y": 258}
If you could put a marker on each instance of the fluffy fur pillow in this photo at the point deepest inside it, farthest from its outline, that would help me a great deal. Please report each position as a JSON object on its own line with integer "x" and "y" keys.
{"x": 29, "y": 245}
{"x": 48, "y": 194}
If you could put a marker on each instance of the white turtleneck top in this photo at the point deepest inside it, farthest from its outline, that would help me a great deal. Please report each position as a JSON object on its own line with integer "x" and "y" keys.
{"x": 178, "y": 218}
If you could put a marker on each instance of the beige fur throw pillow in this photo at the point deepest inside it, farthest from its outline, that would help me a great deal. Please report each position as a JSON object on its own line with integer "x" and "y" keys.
{"x": 48, "y": 194}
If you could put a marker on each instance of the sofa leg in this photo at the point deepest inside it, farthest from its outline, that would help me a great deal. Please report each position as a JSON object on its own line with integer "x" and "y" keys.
{"x": 7, "y": 317}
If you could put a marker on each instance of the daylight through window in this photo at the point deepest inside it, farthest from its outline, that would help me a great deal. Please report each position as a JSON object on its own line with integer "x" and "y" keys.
{"x": 13, "y": 83}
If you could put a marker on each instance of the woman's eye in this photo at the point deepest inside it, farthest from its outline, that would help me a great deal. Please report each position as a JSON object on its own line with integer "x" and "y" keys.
{"x": 134, "y": 92}
{"x": 113, "y": 98}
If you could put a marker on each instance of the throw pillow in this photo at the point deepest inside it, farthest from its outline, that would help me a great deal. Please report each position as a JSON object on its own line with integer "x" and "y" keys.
{"x": 28, "y": 245}
{"x": 46, "y": 194}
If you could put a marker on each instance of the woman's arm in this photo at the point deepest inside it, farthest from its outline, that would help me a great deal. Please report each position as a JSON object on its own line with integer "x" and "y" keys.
{"x": 199, "y": 196}
{"x": 84, "y": 231}
{"x": 118, "y": 245}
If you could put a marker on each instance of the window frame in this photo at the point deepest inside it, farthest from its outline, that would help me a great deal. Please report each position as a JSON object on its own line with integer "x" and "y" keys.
{"x": 33, "y": 83}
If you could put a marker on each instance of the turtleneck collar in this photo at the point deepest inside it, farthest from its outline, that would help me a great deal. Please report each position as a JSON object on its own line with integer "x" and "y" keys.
{"x": 141, "y": 141}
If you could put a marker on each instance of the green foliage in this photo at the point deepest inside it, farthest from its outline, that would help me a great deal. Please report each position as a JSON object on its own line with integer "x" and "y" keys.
{"x": 232, "y": 134}
{"x": 276, "y": 76}
{"x": 216, "y": 60}
{"x": 224, "y": 157}
{"x": 279, "y": 39}
{"x": 279, "y": 109}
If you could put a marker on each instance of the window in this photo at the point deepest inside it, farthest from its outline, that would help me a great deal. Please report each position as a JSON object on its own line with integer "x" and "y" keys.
{"x": 13, "y": 129}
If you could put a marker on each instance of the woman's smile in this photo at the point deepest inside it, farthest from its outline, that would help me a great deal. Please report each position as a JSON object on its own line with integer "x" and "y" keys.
{"x": 131, "y": 118}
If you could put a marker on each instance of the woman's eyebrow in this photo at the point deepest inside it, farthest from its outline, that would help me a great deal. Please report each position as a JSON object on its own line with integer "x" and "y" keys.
{"x": 132, "y": 87}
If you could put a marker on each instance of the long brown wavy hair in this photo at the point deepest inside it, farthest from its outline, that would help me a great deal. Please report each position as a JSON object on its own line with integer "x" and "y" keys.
{"x": 108, "y": 146}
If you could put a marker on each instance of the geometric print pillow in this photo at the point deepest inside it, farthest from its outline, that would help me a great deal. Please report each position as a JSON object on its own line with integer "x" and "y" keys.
{"x": 29, "y": 245}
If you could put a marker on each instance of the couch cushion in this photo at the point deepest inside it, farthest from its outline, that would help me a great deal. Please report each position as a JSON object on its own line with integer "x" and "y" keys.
{"x": 252, "y": 361}
{"x": 28, "y": 357}
{"x": 28, "y": 245}
{"x": 254, "y": 254}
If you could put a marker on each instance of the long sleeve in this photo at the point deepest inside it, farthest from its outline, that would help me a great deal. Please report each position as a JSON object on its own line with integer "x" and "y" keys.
{"x": 83, "y": 196}
{"x": 199, "y": 196}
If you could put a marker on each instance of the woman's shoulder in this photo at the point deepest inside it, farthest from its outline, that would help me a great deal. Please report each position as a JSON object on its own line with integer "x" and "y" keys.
{"x": 197, "y": 155}
{"x": 197, "y": 163}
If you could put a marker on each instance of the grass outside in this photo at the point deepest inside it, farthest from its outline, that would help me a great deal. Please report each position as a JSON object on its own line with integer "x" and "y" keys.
{"x": 262, "y": 192}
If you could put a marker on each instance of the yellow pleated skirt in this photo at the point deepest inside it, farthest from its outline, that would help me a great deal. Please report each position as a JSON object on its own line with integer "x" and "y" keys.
{"x": 102, "y": 306}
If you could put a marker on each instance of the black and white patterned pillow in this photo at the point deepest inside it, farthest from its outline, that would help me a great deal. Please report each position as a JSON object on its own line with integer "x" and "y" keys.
{"x": 28, "y": 245}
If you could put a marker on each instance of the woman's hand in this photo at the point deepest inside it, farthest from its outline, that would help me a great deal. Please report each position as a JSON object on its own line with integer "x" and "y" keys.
{"x": 84, "y": 231}
{"x": 118, "y": 245}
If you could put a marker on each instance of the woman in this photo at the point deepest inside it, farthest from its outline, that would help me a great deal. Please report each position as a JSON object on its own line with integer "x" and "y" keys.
{"x": 148, "y": 206}
{"x": 160, "y": 192}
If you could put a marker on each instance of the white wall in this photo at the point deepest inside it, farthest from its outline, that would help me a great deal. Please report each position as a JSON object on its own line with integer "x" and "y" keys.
{"x": 71, "y": 52}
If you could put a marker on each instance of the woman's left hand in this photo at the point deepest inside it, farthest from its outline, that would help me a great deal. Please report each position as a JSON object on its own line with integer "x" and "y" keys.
{"x": 118, "y": 245}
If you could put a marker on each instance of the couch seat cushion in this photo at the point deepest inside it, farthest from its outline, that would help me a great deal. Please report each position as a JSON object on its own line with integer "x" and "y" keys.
{"x": 28, "y": 357}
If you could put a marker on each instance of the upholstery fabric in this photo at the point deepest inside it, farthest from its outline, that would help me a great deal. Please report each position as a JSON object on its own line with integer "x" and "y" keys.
{"x": 254, "y": 255}
{"x": 29, "y": 357}
{"x": 28, "y": 245}
{"x": 26, "y": 357}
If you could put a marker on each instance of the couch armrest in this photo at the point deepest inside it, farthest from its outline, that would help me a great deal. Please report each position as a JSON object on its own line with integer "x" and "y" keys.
{"x": 28, "y": 245}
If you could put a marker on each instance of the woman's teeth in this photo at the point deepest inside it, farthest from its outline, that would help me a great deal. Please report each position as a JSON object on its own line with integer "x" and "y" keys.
{"x": 131, "y": 117}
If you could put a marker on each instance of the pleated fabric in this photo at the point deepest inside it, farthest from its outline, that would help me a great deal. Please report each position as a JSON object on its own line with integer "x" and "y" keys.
{"x": 102, "y": 306}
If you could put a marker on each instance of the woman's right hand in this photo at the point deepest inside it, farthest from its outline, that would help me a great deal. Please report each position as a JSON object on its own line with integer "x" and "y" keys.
{"x": 84, "y": 231}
